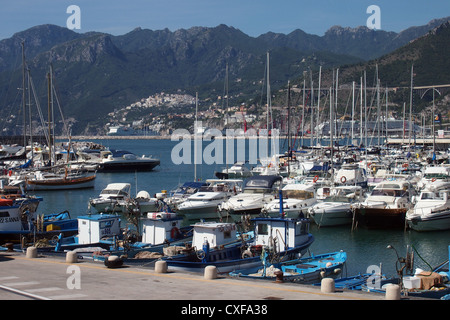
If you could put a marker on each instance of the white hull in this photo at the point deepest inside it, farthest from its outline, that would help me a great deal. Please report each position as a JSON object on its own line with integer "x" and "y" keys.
{"x": 331, "y": 214}
{"x": 434, "y": 222}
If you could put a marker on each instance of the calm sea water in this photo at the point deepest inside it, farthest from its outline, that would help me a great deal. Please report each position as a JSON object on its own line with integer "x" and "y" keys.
{"x": 364, "y": 247}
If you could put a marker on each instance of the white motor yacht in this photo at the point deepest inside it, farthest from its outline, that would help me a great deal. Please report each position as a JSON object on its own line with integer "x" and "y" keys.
{"x": 334, "y": 205}
{"x": 431, "y": 211}
{"x": 297, "y": 199}
{"x": 113, "y": 198}
{"x": 258, "y": 191}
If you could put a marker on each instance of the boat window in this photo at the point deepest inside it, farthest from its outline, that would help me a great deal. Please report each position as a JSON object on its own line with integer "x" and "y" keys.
{"x": 263, "y": 229}
{"x": 227, "y": 234}
{"x": 106, "y": 224}
{"x": 432, "y": 196}
{"x": 388, "y": 192}
{"x": 298, "y": 194}
{"x": 301, "y": 228}
{"x": 258, "y": 184}
{"x": 4, "y": 214}
{"x": 256, "y": 190}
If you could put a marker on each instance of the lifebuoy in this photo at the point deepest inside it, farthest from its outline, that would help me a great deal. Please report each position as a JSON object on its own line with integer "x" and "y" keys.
{"x": 433, "y": 180}
{"x": 315, "y": 178}
{"x": 343, "y": 179}
{"x": 174, "y": 233}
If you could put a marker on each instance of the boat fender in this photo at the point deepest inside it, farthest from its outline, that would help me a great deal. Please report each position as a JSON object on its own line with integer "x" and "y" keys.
{"x": 343, "y": 179}
{"x": 315, "y": 178}
{"x": 337, "y": 271}
{"x": 175, "y": 233}
{"x": 247, "y": 254}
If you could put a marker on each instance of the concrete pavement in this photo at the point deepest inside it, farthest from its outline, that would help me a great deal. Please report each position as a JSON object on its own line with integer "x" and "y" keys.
{"x": 51, "y": 278}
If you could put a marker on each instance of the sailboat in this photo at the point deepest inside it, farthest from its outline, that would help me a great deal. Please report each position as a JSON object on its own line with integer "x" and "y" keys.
{"x": 57, "y": 177}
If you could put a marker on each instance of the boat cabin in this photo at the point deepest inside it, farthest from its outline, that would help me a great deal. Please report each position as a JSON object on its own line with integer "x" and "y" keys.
{"x": 95, "y": 227}
{"x": 262, "y": 184}
{"x": 215, "y": 233}
{"x": 159, "y": 227}
{"x": 280, "y": 233}
{"x": 116, "y": 190}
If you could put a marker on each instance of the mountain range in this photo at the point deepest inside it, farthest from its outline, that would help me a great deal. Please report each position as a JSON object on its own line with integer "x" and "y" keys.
{"x": 96, "y": 73}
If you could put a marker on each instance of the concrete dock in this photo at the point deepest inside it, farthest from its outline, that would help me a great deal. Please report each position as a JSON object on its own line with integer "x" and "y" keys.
{"x": 52, "y": 278}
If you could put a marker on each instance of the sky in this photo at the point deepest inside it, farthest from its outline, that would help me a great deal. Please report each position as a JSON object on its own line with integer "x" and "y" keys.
{"x": 253, "y": 17}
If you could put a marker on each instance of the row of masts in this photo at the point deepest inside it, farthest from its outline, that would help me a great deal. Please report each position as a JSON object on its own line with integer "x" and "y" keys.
{"x": 332, "y": 96}
{"x": 27, "y": 90}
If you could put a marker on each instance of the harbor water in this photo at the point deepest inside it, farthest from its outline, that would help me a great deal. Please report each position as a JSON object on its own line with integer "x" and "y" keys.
{"x": 366, "y": 249}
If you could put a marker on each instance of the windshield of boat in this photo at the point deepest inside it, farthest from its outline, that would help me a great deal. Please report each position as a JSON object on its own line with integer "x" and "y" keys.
{"x": 337, "y": 199}
{"x": 432, "y": 196}
{"x": 298, "y": 194}
{"x": 114, "y": 192}
{"x": 435, "y": 175}
{"x": 388, "y": 192}
{"x": 257, "y": 190}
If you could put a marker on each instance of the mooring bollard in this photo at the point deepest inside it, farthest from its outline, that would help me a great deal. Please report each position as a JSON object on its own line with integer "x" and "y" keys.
{"x": 31, "y": 252}
{"x": 71, "y": 257}
{"x": 327, "y": 285}
{"x": 392, "y": 292}
{"x": 210, "y": 272}
{"x": 161, "y": 266}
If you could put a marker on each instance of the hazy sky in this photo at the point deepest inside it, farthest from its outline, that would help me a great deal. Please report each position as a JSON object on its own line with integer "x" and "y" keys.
{"x": 253, "y": 17}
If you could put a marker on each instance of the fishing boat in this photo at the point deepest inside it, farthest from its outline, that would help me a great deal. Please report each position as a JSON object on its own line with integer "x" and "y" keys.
{"x": 221, "y": 246}
{"x": 101, "y": 235}
{"x": 17, "y": 222}
{"x": 297, "y": 198}
{"x": 303, "y": 270}
{"x": 336, "y": 207}
{"x": 385, "y": 206}
{"x": 122, "y": 160}
{"x": 258, "y": 191}
{"x": 433, "y": 283}
{"x": 431, "y": 210}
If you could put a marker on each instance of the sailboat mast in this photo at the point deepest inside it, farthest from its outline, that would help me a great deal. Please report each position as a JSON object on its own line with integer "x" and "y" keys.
{"x": 303, "y": 110}
{"x": 410, "y": 105}
{"x": 361, "y": 111}
{"x": 318, "y": 104}
{"x": 195, "y": 137}
{"x": 23, "y": 96}
{"x": 50, "y": 112}
{"x": 353, "y": 108}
